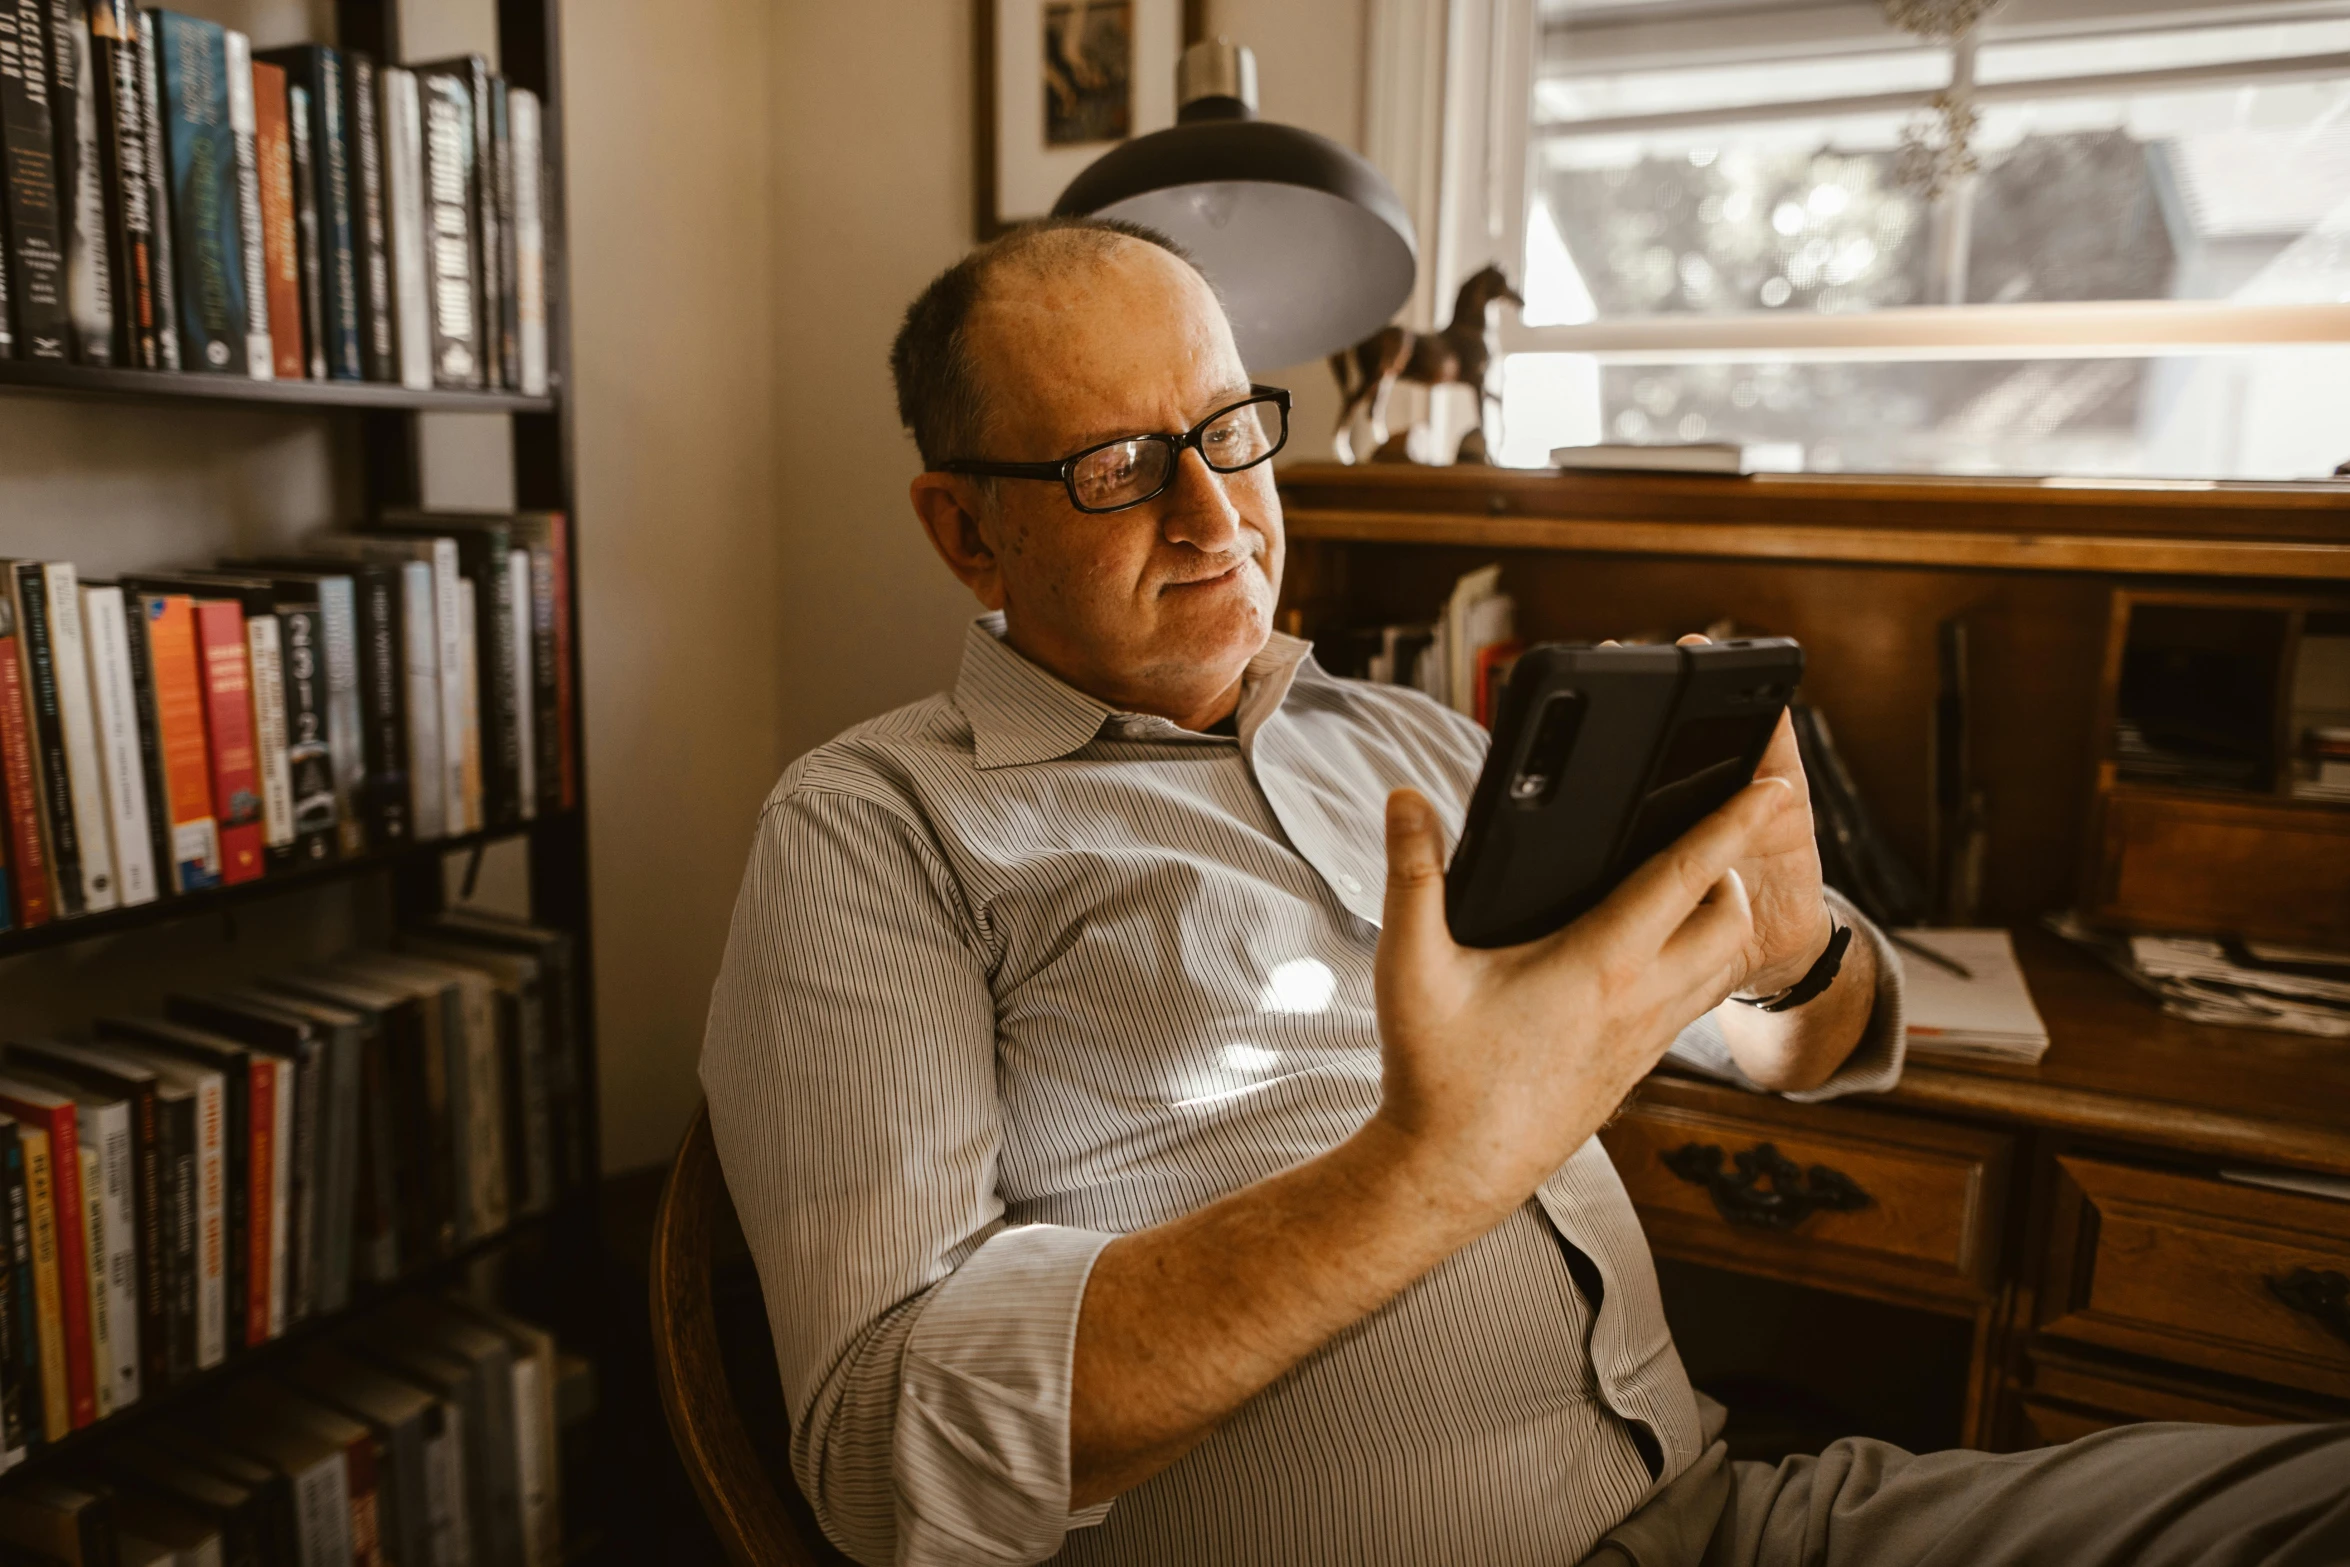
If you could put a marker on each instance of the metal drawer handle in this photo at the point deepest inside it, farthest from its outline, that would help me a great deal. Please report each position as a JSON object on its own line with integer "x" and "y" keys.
{"x": 2323, "y": 1294}
{"x": 1764, "y": 1189}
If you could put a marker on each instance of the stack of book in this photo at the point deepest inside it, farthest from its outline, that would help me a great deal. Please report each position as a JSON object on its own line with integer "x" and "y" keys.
{"x": 180, "y": 730}
{"x": 1963, "y": 994}
{"x": 183, "y": 1187}
{"x": 426, "y": 1434}
{"x": 176, "y": 202}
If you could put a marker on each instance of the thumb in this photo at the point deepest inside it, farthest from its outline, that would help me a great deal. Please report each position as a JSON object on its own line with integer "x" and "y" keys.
{"x": 1414, "y": 914}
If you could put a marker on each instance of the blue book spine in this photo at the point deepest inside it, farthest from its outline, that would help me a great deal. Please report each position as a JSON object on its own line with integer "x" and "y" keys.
{"x": 201, "y": 153}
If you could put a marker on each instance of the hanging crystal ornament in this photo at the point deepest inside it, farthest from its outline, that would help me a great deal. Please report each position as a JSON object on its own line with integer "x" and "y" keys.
{"x": 1937, "y": 151}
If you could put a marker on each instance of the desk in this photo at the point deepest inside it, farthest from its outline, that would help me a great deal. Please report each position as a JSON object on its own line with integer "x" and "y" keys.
{"x": 2070, "y": 1214}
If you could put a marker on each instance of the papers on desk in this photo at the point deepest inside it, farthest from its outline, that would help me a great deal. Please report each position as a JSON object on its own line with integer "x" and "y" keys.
{"x": 1986, "y": 1016}
{"x": 2237, "y": 985}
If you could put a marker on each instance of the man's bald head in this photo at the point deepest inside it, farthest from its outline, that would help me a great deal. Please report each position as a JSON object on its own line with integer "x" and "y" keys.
{"x": 943, "y": 399}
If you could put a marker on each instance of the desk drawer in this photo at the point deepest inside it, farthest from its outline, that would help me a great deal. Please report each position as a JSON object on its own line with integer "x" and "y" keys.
{"x": 2237, "y": 1279}
{"x": 1815, "y": 1194}
{"x": 2068, "y": 1398}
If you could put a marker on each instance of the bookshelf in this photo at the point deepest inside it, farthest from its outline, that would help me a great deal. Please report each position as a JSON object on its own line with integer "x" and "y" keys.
{"x": 544, "y": 1266}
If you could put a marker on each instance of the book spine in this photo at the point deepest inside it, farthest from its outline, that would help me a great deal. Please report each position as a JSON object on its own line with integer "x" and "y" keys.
{"x": 73, "y": 103}
{"x": 123, "y": 772}
{"x": 475, "y": 708}
{"x": 449, "y": 229}
{"x": 281, "y": 238}
{"x": 20, "y": 1361}
{"x": 509, "y": 314}
{"x": 488, "y": 247}
{"x": 530, "y": 239}
{"x": 330, "y": 146}
{"x": 151, "y": 1252}
{"x": 261, "y": 1151}
{"x": 73, "y": 1263}
{"x": 265, "y": 661}
{"x": 306, "y": 1162}
{"x": 383, "y": 704}
{"x": 229, "y": 740}
{"x": 29, "y": 191}
{"x": 460, "y": 741}
{"x": 307, "y": 224}
{"x": 421, "y": 640}
{"x": 70, "y": 652}
{"x": 46, "y": 730}
{"x": 338, "y": 639}
{"x": 375, "y": 1206}
{"x": 546, "y": 706}
{"x": 566, "y": 657}
{"x": 7, "y": 307}
{"x": 48, "y": 1291}
{"x": 340, "y": 1138}
{"x": 218, "y": 1231}
{"x": 182, "y": 1229}
{"x": 498, "y": 697}
{"x": 260, "y": 350}
{"x": 521, "y": 648}
{"x": 180, "y": 724}
{"x": 95, "y": 1241}
{"x": 28, "y": 857}
{"x": 147, "y": 727}
{"x": 364, "y": 1481}
{"x": 207, "y": 237}
{"x": 309, "y": 755}
{"x": 122, "y": 158}
{"x": 166, "y": 271}
{"x": 403, "y": 182}
{"x": 378, "y": 352}
{"x": 116, "y": 1184}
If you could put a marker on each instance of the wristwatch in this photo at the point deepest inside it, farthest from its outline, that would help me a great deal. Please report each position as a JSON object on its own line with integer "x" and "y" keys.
{"x": 1817, "y": 978}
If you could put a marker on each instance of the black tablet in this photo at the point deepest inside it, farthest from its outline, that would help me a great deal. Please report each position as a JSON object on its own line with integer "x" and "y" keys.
{"x": 1602, "y": 756}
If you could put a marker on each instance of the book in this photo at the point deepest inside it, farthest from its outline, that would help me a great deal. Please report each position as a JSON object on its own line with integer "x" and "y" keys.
{"x": 206, "y": 229}
{"x": 95, "y": 1245}
{"x": 560, "y": 1001}
{"x": 192, "y": 1102}
{"x": 20, "y": 1353}
{"x": 451, "y": 739}
{"x": 392, "y": 1109}
{"x": 483, "y": 554}
{"x": 404, "y": 1419}
{"x": 421, "y": 1023}
{"x": 469, "y": 723}
{"x": 488, "y": 247}
{"x": 526, "y": 1132}
{"x": 399, "y": 117}
{"x": 451, "y": 226}
{"x": 308, "y": 231}
{"x": 182, "y": 728}
{"x": 58, "y": 1118}
{"x": 122, "y": 158}
{"x": 1987, "y": 1012}
{"x": 258, "y": 686}
{"x": 28, "y": 855}
{"x": 260, "y": 347}
{"x": 29, "y": 192}
{"x": 52, "y": 790}
{"x": 473, "y": 1368}
{"x": 378, "y": 353}
{"x": 73, "y": 117}
{"x": 504, "y": 309}
{"x": 56, "y": 1413}
{"x": 475, "y": 1075}
{"x": 180, "y": 1535}
{"x": 328, "y": 598}
{"x": 323, "y": 1240}
{"x": 7, "y": 308}
{"x": 530, "y": 240}
{"x": 538, "y": 1493}
{"x": 317, "y": 71}
{"x": 78, "y": 724}
{"x": 143, "y": 1465}
{"x": 58, "y": 1522}
{"x": 115, "y": 715}
{"x": 1722, "y": 457}
{"x": 271, "y": 1416}
{"x": 281, "y": 239}
{"x": 147, "y": 733}
{"x": 92, "y": 1067}
{"x": 104, "y": 1124}
{"x": 166, "y": 261}
{"x": 310, "y": 759}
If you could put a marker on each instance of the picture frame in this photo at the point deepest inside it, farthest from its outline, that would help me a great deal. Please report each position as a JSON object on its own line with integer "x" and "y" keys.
{"x": 1060, "y": 82}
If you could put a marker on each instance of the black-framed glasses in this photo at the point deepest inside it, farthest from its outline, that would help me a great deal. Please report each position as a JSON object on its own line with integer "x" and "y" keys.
{"x": 1136, "y": 468}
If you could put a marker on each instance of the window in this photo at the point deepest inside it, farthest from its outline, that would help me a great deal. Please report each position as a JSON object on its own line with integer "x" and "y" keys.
{"x": 2147, "y": 273}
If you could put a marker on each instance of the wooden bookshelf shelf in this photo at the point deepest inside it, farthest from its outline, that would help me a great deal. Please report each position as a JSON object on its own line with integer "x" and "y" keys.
{"x": 185, "y": 386}
{"x": 213, "y": 900}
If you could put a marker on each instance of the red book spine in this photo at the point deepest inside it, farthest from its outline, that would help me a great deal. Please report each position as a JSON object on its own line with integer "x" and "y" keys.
{"x": 262, "y": 1123}
{"x": 559, "y": 545}
{"x": 273, "y": 154}
{"x": 228, "y": 725}
{"x": 26, "y": 857}
{"x": 73, "y": 1249}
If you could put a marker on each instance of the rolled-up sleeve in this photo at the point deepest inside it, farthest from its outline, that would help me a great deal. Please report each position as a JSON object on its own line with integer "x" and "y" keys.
{"x": 925, "y": 1347}
{"x": 1875, "y": 1063}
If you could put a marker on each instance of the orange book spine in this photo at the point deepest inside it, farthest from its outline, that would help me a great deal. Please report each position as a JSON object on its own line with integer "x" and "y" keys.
{"x": 28, "y": 860}
{"x": 179, "y": 723}
{"x": 48, "y": 1312}
{"x": 228, "y": 732}
{"x": 281, "y": 254}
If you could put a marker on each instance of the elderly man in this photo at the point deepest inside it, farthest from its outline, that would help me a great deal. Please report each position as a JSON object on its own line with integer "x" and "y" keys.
{"x": 1137, "y": 1171}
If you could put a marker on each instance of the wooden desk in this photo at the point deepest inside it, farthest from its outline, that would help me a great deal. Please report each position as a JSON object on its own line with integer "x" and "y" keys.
{"x": 2070, "y": 1213}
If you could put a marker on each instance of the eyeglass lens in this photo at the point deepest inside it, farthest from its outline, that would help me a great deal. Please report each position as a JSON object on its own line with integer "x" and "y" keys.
{"x": 1125, "y": 472}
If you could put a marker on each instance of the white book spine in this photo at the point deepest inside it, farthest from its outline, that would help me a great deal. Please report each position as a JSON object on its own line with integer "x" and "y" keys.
{"x": 402, "y": 123}
{"x": 115, "y": 710}
{"x": 529, "y": 1471}
{"x": 281, "y": 1167}
{"x": 211, "y": 1220}
{"x": 322, "y": 1514}
{"x": 95, "y": 1236}
{"x": 111, "y": 1125}
{"x": 444, "y": 1491}
{"x": 456, "y": 685}
{"x": 530, "y": 236}
{"x": 89, "y": 277}
{"x": 260, "y": 357}
{"x": 338, "y": 622}
{"x": 85, "y": 782}
{"x": 268, "y": 685}
{"x": 520, "y": 605}
{"x": 469, "y": 721}
{"x": 420, "y": 638}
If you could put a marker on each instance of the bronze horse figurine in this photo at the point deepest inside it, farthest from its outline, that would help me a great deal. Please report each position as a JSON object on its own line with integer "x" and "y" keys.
{"x": 1462, "y": 352}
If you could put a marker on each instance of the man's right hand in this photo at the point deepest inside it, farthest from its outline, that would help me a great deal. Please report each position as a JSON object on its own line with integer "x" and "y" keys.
{"x": 1500, "y": 1063}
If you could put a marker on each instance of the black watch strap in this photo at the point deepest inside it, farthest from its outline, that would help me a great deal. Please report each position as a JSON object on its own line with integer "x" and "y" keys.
{"x": 1817, "y": 978}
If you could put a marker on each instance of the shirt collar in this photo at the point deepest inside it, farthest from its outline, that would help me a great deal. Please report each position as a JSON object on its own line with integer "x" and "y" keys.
{"x": 1020, "y": 713}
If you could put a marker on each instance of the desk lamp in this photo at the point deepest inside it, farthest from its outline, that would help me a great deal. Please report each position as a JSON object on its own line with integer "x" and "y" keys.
{"x": 1307, "y": 242}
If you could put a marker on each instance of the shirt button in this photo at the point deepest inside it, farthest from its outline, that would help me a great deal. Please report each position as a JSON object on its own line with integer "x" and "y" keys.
{"x": 1350, "y": 884}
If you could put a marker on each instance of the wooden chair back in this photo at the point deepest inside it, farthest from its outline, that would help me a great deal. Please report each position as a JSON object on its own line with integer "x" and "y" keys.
{"x": 758, "y": 1513}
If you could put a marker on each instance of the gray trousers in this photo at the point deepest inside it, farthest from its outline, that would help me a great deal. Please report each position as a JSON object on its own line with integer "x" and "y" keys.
{"x": 2137, "y": 1496}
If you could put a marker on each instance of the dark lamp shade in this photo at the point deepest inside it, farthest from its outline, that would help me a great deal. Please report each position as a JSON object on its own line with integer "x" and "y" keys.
{"x": 1306, "y": 242}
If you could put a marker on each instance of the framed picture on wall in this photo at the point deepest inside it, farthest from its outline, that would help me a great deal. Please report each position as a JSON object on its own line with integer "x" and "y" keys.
{"x": 1059, "y": 83}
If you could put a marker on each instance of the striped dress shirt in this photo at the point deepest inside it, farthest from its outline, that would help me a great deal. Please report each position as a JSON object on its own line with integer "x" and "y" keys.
{"x": 1013, "y": 973}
